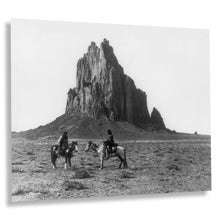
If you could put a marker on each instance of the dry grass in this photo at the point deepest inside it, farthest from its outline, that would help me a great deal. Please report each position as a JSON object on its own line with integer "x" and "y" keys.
{"x": 17, "y": 170}
{"x": 173, "y": 167}
{"x": 17, "y": 163}
{"x": 30, "y": 153}
{"x": 73, "y": 185}
{"x": 127, "y": 175}
{"x": 157, "y": 167}
{"x": 81, "y": 174}
{"x": 20, "y": 192}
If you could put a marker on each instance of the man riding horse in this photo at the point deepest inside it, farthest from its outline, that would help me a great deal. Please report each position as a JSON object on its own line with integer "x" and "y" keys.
{"x": 110, "y": 143}
{"x": 63, "y": 143}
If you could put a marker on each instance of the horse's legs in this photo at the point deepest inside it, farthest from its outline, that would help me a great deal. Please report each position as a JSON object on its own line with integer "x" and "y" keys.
{"x": 101, "y": 161}
{"x": 54, "y": 164}
{"x": 124, "y": 164}
{"x": 65, "y": 165}
{"x": 69, "y": 161}
{"x": 125, "y": 160}
{"x": 120, "y": 165}
{"x": 106, "y": 152}
{"x": 120, "y": 162}
{"x": 53, "y": 159}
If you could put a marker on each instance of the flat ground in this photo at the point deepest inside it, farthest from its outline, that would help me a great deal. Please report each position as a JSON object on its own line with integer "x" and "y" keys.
{"x": 154, "y": 167}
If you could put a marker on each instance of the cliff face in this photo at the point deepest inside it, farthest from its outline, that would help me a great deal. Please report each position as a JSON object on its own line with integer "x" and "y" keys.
{"x": 104, "y": 91}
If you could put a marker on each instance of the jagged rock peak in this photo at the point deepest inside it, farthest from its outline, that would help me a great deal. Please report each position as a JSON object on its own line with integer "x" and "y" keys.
{"x": 108, "y": 52}
{"x": 157, "y": 119}
{"x": 104, "y": 91}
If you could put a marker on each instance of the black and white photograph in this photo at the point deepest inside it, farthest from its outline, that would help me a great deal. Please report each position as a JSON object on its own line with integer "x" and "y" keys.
{"x": 102, "y": 110}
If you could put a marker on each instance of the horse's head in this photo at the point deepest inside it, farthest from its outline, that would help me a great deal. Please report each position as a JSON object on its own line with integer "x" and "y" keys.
{"x": 73, "y": 146}
{"x": 100, "y": 148}
{"x": 88, "y": 146}
{"x": 55, "y": 149}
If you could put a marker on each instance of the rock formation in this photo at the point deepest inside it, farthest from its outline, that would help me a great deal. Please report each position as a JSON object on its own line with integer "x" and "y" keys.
{"x": 104, "y": 98}
{"x": 104, "y": 91}
{"x": 157, "y": 120}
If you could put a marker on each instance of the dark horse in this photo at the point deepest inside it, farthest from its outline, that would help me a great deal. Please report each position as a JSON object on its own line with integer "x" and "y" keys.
{"x": 67, "y": 153}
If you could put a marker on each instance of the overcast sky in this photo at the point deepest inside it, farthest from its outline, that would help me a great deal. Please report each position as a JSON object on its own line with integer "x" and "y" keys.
{"x": 170, "y": 64}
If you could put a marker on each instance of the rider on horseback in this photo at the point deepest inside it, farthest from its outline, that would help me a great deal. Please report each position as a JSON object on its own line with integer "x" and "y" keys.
{"x": 110, "y": 143}
{"x": 63, "y": 143}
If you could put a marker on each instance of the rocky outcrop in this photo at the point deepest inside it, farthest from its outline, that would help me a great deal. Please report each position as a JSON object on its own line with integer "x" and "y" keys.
{"x": 104, "y": 91}
{"x": 157, "y": 120}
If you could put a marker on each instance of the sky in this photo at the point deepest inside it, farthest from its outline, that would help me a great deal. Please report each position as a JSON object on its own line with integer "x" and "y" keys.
{"x": 170, "y": 64}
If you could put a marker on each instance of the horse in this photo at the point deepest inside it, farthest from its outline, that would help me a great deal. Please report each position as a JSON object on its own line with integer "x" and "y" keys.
{"x": 101, "y": 149}
{"x": 67, "y": 153}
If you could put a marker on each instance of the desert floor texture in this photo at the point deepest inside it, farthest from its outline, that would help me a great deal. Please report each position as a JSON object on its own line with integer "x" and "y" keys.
{"x": 154, "y": 167}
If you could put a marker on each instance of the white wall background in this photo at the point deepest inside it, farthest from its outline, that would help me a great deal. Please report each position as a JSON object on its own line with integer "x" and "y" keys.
{"x": 171, "y": 13}
{"x": 170, "y": 64}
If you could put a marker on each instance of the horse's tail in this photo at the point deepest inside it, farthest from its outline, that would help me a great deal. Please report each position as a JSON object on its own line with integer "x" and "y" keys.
{"x": 125, "y": 159}
{"x": 52, "y": 149}
{"x": 52, "y": 153}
